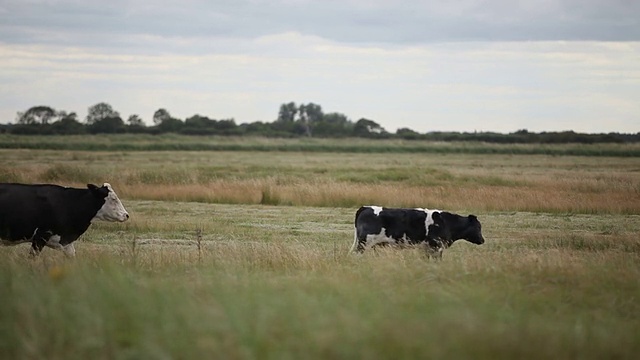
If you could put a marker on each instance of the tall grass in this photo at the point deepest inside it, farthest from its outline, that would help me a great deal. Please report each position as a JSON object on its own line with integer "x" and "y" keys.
{"x": 190, "y": 276}
{"x": 271, "y": 285}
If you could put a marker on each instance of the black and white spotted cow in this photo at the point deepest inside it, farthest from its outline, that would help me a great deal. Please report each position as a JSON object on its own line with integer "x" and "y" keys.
{"x": 434, "y": 229}
{"x": 54, "y": 216}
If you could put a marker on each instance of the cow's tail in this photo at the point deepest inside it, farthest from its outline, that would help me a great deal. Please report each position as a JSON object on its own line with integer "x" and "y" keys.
{"x": 355, "y": 240}
{"x": 354, "y": 247}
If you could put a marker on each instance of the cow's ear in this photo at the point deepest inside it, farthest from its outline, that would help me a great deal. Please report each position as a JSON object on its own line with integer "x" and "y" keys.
{"x": 99, "y": 192}
{"x": 436, "y": 217}
{"x": 473, "y": 217}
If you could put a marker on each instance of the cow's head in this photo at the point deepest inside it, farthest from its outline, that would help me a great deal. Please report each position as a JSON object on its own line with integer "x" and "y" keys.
{"x": 112, "y": 209}
{"x": 473, "y": 230}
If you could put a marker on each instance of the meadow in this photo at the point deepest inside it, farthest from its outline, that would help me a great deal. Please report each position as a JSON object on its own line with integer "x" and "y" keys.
{"x": 242, "y": 254}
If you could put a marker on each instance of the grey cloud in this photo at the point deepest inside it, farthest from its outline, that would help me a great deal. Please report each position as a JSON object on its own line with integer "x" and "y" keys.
{"x": 412, "y": 22}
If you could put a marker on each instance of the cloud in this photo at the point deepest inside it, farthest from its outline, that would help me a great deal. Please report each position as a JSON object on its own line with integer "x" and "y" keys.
{"x": 490, "y": 86}
{"x": 438, "y": 65}
{"x": 110, "y": 24}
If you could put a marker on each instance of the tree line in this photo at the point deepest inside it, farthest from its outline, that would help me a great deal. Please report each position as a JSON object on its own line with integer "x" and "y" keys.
{"x": 293, "y": 120}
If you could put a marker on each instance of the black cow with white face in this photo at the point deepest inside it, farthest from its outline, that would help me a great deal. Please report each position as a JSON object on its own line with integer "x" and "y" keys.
{"x": 54, "y": 216}
{"x": 434, "y": 229}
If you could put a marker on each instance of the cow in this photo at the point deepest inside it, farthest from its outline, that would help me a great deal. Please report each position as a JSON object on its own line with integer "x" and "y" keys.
{"x": 434, "y": 229}
{"x": 53, "y": 215}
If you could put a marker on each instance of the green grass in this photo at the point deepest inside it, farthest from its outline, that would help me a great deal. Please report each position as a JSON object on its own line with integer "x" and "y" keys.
{"x": 173, "y": 142}
{"x": 277, "y": 282}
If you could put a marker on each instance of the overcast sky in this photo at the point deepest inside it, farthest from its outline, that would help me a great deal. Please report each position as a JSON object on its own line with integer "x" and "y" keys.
{"x": 461, "y": 65}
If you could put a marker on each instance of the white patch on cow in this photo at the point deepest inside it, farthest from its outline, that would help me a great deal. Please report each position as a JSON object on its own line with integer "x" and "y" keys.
{"x": 54, "y": 243}
{"x": 376, "y": 209}
{"x": 429, "y": 220}
{"x": 375, "y": 239}
{"x": 405, "y": 239}
{"x": 112, "y": 210}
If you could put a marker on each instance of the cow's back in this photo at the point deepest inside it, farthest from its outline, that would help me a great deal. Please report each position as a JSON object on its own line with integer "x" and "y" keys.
{"x": 24, "y": 208}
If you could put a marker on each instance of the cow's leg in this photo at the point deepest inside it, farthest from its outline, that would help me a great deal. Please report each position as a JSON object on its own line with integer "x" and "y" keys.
{"x": 438, "y": 253}
{"x": 364, "y": 241}
{"x": 433, "y": 253}
{"x": 39, "y": 241}
{"x": 434, "y": 249}
{"x": 359, "y": 243}
{"x": 360, "y": 246}
{"x": 56, "y": 242}
{"x": 380, "y": 245}
{"x": 69, "y": 250}
{"x": 37, "y": 244}
{"x": 373, "y": 240}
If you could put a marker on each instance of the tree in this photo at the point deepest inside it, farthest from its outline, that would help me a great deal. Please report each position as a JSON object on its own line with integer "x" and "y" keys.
{"x": 308, "y": 115}
{"x": 68, "y": 125}
{"x": 285, "y": 124}
{"x": 368, "y": 128}
{"x": 99, "y": 112}
{"x": 333, "y": 125}
{"x": 226, "y": 125}
{"x": 198, "y": 121}
{"x": 63, "y": 115}
{"x": 171, "y": 125}
{"x": 407, "y": 134}
{"x": 160, "y": 116}
{"x": 287, "y": 113}
{"x": 335, "y": 119}
{"x": 37, "y": 115}
{"x": 198, "y": 125}
{"x": 110, "y": 125}
{"x": 135, "y": 120}
{"x": 312, "y": 112}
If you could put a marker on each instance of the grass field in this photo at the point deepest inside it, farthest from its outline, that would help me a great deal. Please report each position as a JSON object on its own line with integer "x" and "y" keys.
{"x": 243, "y": 254}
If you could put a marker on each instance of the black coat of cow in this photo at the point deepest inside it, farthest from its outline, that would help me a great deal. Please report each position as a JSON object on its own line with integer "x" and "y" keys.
{"x": 53, "y": 215}
{"x": 434, "y": 229}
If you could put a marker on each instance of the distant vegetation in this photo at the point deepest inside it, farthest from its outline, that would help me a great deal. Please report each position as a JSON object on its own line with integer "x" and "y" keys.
{"x": 293, "y": 121}
{"x": 178, "y": 142}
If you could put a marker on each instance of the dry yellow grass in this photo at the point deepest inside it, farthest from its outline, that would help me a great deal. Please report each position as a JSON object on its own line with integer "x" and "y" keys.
{"x": 556, "y": 197}
{"x": 460, "y": 182}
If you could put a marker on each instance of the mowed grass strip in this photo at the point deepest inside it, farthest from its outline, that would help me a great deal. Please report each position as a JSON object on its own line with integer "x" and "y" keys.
{"x": 186, "y": 280}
